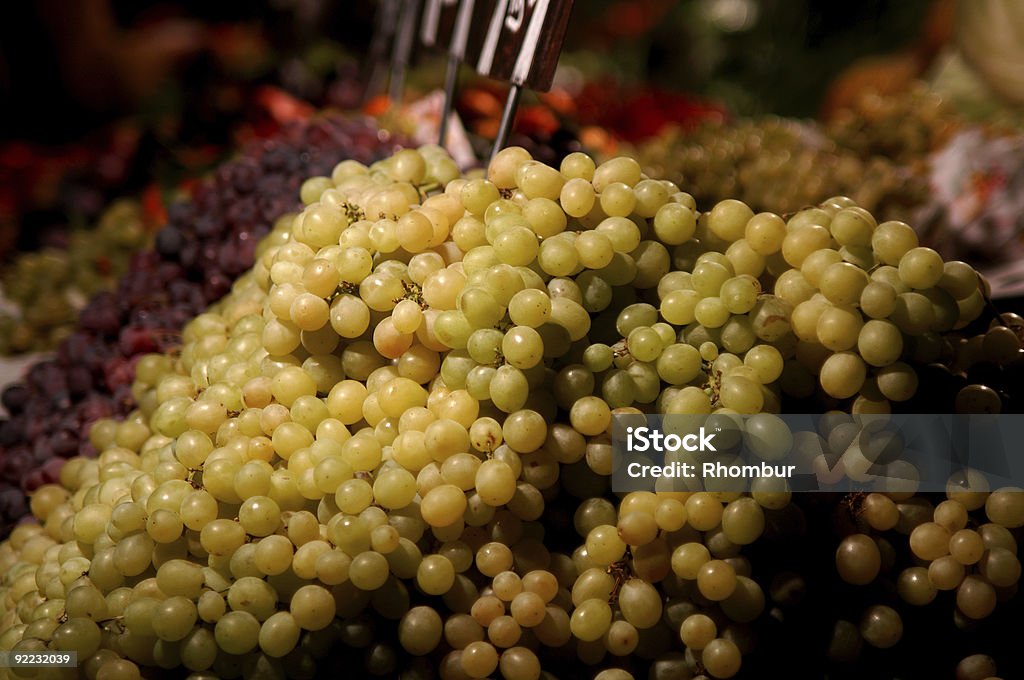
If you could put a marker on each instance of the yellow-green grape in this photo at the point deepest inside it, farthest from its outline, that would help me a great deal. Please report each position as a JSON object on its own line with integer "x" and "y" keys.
{"x": 716, "y": 580}
{"x": 591, "y": 620}
{"x": 421, "y": 368}
{"x": 721, "y": 657}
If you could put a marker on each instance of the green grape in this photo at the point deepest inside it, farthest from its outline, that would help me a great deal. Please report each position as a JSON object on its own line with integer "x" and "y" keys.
{"x": 522, "y": 347}
{"x": 739, "y": 294}
{"x": 644, "y": 344}
{"x": 716, "y": 580}
{"x": 765, "y": 233}
{"x": 591, "y": 620}
{"x": 577, "y": 197}
{"x": 619, "y": 169}
{"x": 921, "y": 268}
{"x": 578, "y": 165}
{"x": 881, "y": 626}
{"x": 959, "y": 279}
{"x": 858, "y": 559}
{"x": 880, "y": 343}
{"x": 897, "y": 381}
{"x": 843, "y": 374}
{"x": 598, "y": 357}
{"x": 530, "y": 308}
{"x": 878, "y": 299}
{"x": 800, "y": 243}
{"x": 721, "y": 658}
{"x": 697, "y": 631}
{"x": 741, "y": 394}
{"x": 617, "y": 200}
{"x": 622, "y": 232}
{"x": 679, "y": 307}
{"x": 839, "y": 328}
{"x": 674, "y": 224}
{"x": 843, "y": 283}
{"x": 892, "y": 240}
{"x": 711, "y": 312}
{"x": 594, "y": 249}
{"x": 728, "y": 219}
{"x": 814, "y": 265}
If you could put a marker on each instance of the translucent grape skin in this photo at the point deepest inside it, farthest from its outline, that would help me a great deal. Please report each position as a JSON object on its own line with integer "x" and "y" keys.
{"x": 228, "y": 224}
{"x": 310, "y": 476}
{"x": 858, "y": 560}
{"x": 881, "y": 626}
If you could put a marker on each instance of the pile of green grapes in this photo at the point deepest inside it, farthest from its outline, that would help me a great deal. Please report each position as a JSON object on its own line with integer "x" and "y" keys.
{"x": 781, "y": 166}
{"x": 48, "y": 288}
{"x": 875, "y": 152}
{"x": 904, "y": 127}
{"x": 388, "y": 448}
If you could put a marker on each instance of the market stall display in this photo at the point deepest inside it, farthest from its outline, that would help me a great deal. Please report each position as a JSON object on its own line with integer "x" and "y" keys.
{"x": 375, "y": 436}
{"x": 395, "y": 396}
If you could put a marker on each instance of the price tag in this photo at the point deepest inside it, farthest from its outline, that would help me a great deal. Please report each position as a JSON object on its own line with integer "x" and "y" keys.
{"x": 523, "y": 41}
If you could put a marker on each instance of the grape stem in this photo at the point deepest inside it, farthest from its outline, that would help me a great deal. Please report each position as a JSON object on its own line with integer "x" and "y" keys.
{"x": 344, "y": 288}
{"x": 117, "y": 621}
{"x": 620, "y": 571}
{"x": 412, "y": 292}
{"x": 853, "y": 502}
{"x": 997, "y": 315}
{"x": 714, "y": 384}
{"x": 787, "y": 216}
{"x": 425, "y": 190}
{"x": 353, "y": 213}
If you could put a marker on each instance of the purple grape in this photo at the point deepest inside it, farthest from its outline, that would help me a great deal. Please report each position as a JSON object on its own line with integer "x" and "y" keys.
{"x": 169, "y": 241}
{"x": 207, "y": 242}
{"x": 14, "y": 398}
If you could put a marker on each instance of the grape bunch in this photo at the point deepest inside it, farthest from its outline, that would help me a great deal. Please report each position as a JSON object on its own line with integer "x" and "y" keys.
{"x": 388, "y": 446}
{"x": 781, "y": 166}
{"x": 51, "y": 286}
{"x": 207, "y": 242}
{"x": 903, "y": 127}
{"x": 974, "y": 562}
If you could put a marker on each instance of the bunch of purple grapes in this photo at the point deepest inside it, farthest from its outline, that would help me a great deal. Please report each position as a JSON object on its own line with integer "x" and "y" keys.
{"x": 208, "y": 241}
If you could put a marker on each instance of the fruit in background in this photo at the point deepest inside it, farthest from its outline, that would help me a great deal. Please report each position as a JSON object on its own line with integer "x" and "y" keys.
{"x": 50, "y": 287}
{"x": 638, "y": 113}
{"x": 781, "y": 166}
{"x": 903, "y": 127}
{"x": 544, "y": 125}
{"x": 75, "y": 179}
